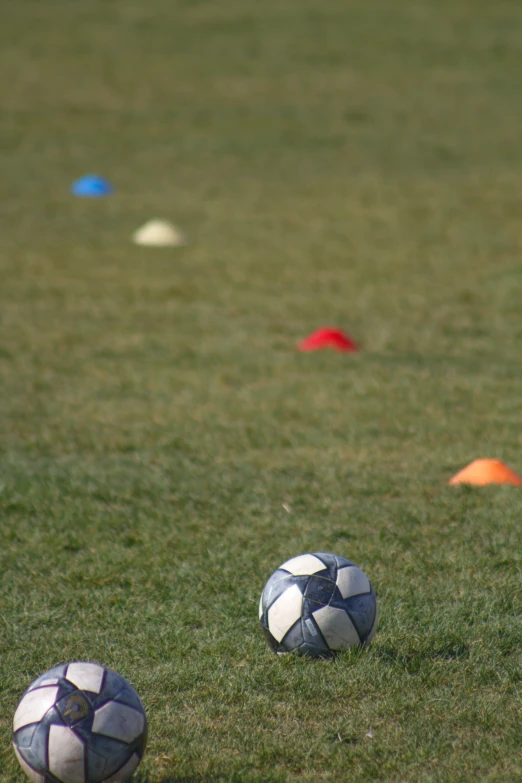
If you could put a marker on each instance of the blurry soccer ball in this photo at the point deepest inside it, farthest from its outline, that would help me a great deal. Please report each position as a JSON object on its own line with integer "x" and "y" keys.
{"x": 318, "y": 604}
{"x": 79, "y": 723}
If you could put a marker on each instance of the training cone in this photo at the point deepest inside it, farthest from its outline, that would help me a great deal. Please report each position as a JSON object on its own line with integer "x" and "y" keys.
{"x": 486, "y": 471}
{"x": 159, "y": 233}
{"x": 328, "y": 338}
{"x": 92, "y": 186}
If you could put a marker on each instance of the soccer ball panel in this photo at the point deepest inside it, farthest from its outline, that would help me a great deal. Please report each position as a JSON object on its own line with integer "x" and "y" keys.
{"x": 313, "y": 637}
{"x": 314, "y": 651}
{"x": 66, "y": 754}
{"x": 125, "y": 772}
{"x": 128, "y": 696}
{"x": 36, "y": 754}
{"x": 319, "y": 590}
{"x": 352, "y": 581}
{"x": 104, "y": 757}
{"x": 336, "y": 627}
{"x": 118, "y": 721}
{"x": 86, "y": 676}
{"x": 311, "y": 627}
{"x": 304, "y": 565}
{"x": 362, "y": 610}
{"x": 371, "y": 633}
{"x": 24, "y": 737}
{"x": 341, "y": 562}
{"x": 97, "y": 766}
{"x": 329, "y": 560}
{"x": 52, "y": 677}
{"x": 74, "y": 707}
{"x": 285, "y": 612}
{"x": 294, "y": 638}
{"x": 31, "y": 773}
{"x": 33, "y": 706}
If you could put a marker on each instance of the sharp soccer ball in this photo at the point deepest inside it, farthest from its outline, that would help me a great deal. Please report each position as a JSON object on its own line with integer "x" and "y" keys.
{"x": 318, "y": 604}
{"x": 79, "y": 723}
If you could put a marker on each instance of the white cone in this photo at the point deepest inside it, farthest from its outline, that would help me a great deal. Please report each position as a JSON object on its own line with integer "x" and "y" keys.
{"x": 159, "y": 233}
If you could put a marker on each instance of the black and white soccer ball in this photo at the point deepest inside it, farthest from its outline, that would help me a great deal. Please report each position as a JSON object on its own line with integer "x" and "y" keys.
{"x": 318, "y": 604}
{"x": 79, "y": 723}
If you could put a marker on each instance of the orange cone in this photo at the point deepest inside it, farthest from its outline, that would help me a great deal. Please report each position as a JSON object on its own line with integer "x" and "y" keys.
{"x": 486, "y": 471}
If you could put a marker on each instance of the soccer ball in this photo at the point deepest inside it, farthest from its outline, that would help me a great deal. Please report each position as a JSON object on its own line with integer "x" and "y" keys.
{"x": 318, "y": 604}
{"x": 79, "y": 723}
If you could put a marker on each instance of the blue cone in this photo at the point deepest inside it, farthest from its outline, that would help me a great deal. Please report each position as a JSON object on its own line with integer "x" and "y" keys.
{"x": 92, "y": 186}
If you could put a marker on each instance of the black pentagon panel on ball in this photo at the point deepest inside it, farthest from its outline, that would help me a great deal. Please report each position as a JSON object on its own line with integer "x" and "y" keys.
{"x": 105, "y": 756}
{"x": 129, "y": 697}
{"x": 113, "y": 683}
{"x": 96, "y": 766}
{"x": 36, "y": 755}
{"x": 312, "y": 635}
{"x": 74, "y": 707}
{"x": 294, "y": 637}
{"x": 319, "y": 590}
{"x": 23, "y": 738}
{"x": 362, "y": 610}
{"x": 314, "y": 651}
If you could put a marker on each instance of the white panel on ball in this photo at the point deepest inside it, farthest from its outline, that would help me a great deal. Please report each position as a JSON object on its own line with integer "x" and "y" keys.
{"x": 33, "y": 707}
{"x": 337, "y": 628}
{"x": 33, "y": 776}
{"x": 50, "y": 681}
{"x": 125, "y": 772}
{"x": 66, "y": 754}
{"x": 285, "y": 612}
{"x": 86, "y": 676}
{"x": 303, "y": 565}
{"x": 352, "y": 581}
{"x": 118, "y": 721}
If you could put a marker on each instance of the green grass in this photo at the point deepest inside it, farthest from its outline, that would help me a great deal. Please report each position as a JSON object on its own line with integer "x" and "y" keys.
{"x": 350, "y": 164}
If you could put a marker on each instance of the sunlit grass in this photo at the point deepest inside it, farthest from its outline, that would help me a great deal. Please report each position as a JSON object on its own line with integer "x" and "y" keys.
{"x": 164, "y": 446}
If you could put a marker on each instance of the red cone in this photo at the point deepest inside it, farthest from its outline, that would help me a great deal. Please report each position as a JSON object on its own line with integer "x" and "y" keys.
{"x": 328, "y": 338}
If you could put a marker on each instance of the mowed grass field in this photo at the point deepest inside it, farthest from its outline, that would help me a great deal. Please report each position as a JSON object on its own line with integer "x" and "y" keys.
{"x": 164, "y": 446}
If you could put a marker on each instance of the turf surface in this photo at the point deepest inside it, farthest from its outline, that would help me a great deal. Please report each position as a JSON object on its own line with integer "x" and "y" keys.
{"x": 164, "y": 446}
